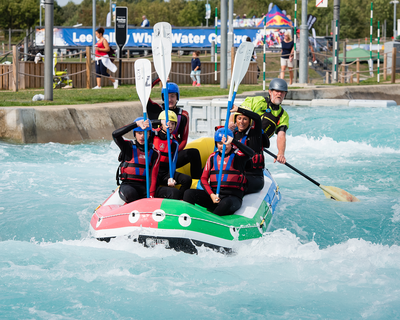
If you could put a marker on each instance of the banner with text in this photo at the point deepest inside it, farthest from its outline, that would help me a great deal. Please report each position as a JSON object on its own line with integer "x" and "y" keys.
{"x": 142, "y": 37}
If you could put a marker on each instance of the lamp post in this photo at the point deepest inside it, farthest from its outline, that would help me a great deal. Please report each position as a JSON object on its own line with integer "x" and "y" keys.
{"x": 48, "y": 50}
{"x": 94, "y": 27}
{"x": 40, "y": 10}
{"x": 303, "y": 63}
{"x": 395, "y": 2}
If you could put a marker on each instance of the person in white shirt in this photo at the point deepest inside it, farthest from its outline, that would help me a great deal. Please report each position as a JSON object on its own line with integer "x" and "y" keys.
{"x": 145, "y": 22}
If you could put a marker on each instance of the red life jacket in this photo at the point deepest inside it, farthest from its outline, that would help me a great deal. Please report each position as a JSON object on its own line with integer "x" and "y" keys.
{"x": 258, "y": 159}
{"x": 162, "y": 146}
{"x": 231, "y": 178}
{"x": 135, "y": 169}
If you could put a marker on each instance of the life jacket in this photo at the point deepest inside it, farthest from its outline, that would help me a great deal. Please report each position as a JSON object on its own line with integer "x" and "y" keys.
{"x": 231, "y": 178}
{"x": 135, "y": 169}
{"x": 162, "y": 146}
{"x": 179, "y": 115}
{"x": 272, "y": 121}
{"x": 258, "y": 159}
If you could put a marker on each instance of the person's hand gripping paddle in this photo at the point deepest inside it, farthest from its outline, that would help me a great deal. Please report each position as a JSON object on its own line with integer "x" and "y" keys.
{"x": 162, "y": 48}
{"x": 242, "y": 61}
{"x": 143, "y": 88}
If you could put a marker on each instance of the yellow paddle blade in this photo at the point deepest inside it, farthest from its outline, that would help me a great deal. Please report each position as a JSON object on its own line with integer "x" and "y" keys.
{"x": 338, "y": 194}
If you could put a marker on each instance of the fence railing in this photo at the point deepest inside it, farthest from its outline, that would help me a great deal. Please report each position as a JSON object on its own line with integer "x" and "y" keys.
{"x": 28, "y": 74}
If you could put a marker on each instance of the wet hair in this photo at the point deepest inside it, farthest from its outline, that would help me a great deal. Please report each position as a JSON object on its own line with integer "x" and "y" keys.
{"x": 100, "y": 30}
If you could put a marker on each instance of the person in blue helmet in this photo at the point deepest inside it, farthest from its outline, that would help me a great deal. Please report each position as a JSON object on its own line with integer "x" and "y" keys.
{"x": 181, "y": 131}
{"x": 233, "y": 179}
{"x": 132, "y": 169}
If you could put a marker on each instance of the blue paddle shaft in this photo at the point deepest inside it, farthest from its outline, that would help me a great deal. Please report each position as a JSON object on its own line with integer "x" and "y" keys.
{"x": 228, "y": 114}
{"x": 146, "y": 153}
{"x": 166, "y": 104}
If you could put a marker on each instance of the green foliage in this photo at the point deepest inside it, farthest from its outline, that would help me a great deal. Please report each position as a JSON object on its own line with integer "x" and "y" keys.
{"x": 18, "y": 14}
{"x": 70, "y": 14}
{"x": 354, "y": 14}
{"x": 355, "y": 17}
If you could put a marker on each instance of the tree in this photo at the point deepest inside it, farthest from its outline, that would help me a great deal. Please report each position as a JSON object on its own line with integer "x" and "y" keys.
{"x": 70, "y": 13}
{"x": 354, "y": 14}
{"x": 18, "y": 14}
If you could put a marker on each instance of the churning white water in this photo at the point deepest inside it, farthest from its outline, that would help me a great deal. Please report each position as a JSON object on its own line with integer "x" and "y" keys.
{"x": 321, "y": 259}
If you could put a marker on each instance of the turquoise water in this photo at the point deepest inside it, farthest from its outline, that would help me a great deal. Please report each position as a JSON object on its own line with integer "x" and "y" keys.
{"x": 321, "y": 259}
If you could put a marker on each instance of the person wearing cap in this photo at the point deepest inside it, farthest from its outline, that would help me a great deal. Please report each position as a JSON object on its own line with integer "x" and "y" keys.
{"x": 247, "y": 128}
{"x": 233, "y": 180}
{"x": 132, "y": 169}
{"x": 166, "y": 183}
{"x": 181, "y": 131}
{"x": 274, "y": 119}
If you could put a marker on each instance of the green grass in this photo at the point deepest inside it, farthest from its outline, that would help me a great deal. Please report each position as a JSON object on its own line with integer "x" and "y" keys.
{"x": 128, "y": 92}
{"x": 108, "y": 94}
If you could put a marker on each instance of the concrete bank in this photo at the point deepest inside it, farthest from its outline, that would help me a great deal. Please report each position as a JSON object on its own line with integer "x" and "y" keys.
{"x": 65, "y": 124}
{"x": 77, "y": 123}
{"x": 376, "y": 92}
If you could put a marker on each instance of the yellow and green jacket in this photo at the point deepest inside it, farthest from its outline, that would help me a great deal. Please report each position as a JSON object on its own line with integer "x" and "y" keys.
{"x": 273, "y": 119}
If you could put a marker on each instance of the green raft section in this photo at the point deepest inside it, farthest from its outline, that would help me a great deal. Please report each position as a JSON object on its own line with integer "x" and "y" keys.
{"x": 232, "y": 227}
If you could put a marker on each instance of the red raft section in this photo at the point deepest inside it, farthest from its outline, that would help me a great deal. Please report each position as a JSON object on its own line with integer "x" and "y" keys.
{"x": 134, "y": 214}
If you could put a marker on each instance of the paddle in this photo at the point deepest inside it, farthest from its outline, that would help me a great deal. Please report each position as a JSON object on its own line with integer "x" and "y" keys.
{"x": 162, "y": 48}
{"x": 330, "y": 192}
{"x": 143, "y": 88}
{"x": 242, "y": 61}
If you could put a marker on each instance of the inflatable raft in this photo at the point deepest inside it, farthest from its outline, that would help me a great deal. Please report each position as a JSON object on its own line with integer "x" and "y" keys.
{"x": 182, "y": 226}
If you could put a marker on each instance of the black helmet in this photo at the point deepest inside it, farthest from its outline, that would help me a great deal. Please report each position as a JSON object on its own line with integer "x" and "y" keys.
{"x": 278, "y": 85}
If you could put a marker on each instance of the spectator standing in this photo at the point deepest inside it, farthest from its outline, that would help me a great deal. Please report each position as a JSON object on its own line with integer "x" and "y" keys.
{"x": 145, "y": 22}
{"x": 196, "y": 69}
{"x": 103, "y": 61}
{"x": 287, "y": 54}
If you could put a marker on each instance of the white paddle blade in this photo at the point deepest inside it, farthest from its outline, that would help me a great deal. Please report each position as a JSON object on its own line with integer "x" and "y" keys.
{"x": 241, "y": 65}
{"x": 143, "y": 81}
{"x": 338, "y": 194}
{"x": 163, "y": 30}
{"x": 162, "y": 48}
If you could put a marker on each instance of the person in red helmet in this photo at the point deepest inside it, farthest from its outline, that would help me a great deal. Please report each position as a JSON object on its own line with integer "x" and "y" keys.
{"x": 233, "y": 180}
{"x": 132, "y": 169}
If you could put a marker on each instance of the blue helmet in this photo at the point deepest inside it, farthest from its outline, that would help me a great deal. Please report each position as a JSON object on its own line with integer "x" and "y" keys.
{"x": 172, "y": 88}
{"x": 220, "y": 133}
{"x": 139, "y": 128}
